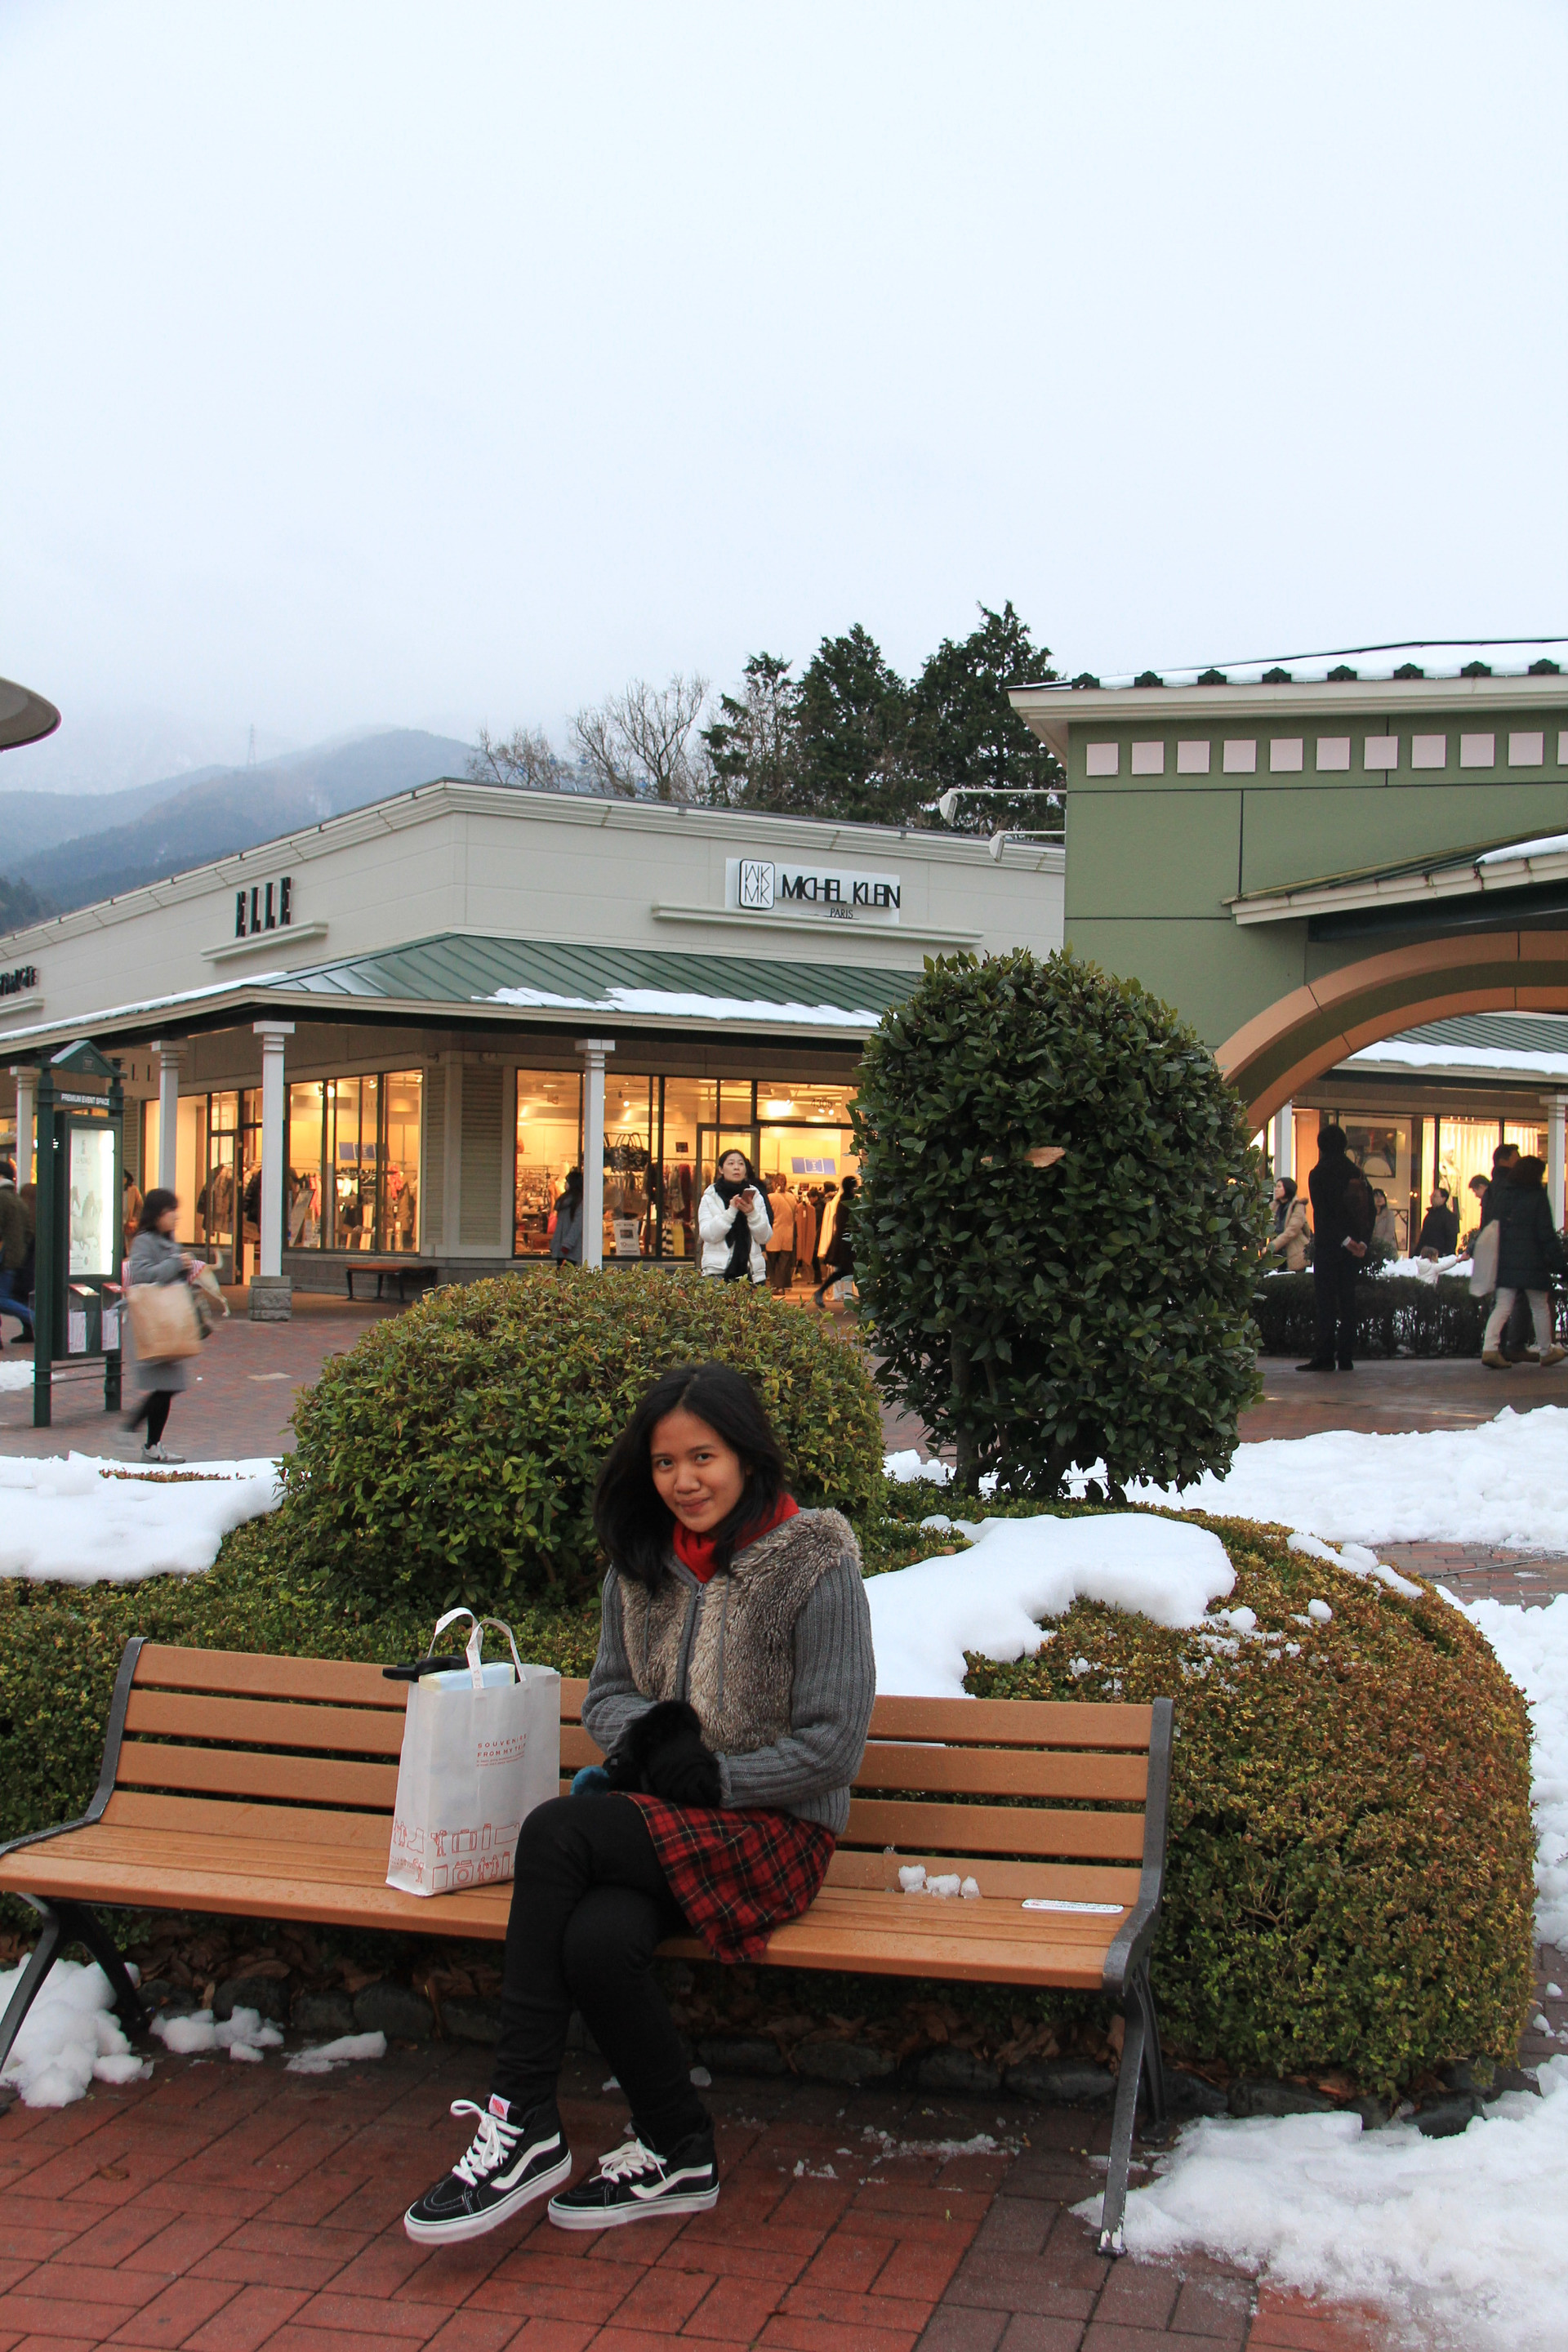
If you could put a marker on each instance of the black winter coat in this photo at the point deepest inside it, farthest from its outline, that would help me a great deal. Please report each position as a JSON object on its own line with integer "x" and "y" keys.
{"x": 1528, "y": 1251}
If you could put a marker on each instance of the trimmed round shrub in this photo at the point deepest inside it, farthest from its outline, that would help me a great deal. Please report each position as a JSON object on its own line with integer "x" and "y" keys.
{"x": 1349, "y": 1887}
{"x": 1093, "y": 1311}
{"x": 450, "y": 1455}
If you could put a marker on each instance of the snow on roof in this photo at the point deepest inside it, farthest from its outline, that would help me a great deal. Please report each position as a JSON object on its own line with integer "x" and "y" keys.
{"x": 1433, "y": 657}
{"x": 673, "y": 1005}
{"x": 1550, "y": 844}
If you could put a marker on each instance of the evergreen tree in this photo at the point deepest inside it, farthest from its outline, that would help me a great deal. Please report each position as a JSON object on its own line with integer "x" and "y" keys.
{"x": 964, "y": 732}
{"x": 851, "y": 722}
{"x": 752, "y": 747}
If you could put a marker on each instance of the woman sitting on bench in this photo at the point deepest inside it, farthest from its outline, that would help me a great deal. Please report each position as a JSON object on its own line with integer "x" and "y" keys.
{"x": 731, "y": 1695}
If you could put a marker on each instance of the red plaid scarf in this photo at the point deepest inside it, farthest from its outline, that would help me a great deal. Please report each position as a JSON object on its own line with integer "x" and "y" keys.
{"x": 737, "y": 1875}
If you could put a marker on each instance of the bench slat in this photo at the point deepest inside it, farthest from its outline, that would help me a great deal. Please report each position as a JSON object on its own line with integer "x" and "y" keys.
{"x": 239, "y": 1772}
{"x": 264, "y": 1723}
{"x": 219, "y": 1816}
{"x": 1015, "y": 1722}
{"x": 994, "y": 1828}
{"x": 330, "y": 1681}
{"x": 1002, "y": 1772}
{"x": 1075, "y": 1882}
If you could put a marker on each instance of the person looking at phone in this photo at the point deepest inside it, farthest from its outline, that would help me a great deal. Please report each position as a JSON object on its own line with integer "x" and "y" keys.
{"x": 733, "y": 1223}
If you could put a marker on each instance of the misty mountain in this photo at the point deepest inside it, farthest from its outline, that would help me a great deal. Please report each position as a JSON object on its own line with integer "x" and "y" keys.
{"x": 154, "y": 831}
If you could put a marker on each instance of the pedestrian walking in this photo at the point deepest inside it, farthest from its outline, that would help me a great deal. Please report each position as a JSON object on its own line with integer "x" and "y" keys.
{"x": 566, "y": 1228}
{"x": 1341, "y": 1228}
{"x": 780, "y": 1251}
{"x": 157, "y": 1258}
{"x": 15, "y": 1253}
{"x": 1290, "y": 1226}
{"x": 130, "y": 1209}
{"x": 731, "y": 1694}
{"x": 733, "y": 1223}
{"x": 1530, "y": 1253}
{"x": 840, "y": 1263}
{"x": 1439, "y": 1236}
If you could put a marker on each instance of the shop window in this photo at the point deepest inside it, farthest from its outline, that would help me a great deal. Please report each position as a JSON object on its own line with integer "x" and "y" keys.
{"x": 1530, "y": 1140}
{"x": 1465, "y": 1149}
{"x": 403, "y": 1094}
{"x": 631, "y": 1147}
{"x": 549, "y": 1143}
{"x": 353, "y": 1148}
{"x": 303, "y": 1208}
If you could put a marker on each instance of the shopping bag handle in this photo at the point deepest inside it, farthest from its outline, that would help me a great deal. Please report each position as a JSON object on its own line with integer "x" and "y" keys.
{"x": 476, "y": 1641}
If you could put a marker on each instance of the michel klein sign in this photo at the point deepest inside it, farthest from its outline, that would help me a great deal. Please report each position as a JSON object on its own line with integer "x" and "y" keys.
{"x": 760, "y": 885}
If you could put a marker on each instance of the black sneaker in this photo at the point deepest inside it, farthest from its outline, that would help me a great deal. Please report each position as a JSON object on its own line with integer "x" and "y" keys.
{"x": 634, "y": 2183}
{"x": 507, "y": 2165}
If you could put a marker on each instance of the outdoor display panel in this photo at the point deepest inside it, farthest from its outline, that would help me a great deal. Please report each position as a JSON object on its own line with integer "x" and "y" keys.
{"x": 77, "y": 1296}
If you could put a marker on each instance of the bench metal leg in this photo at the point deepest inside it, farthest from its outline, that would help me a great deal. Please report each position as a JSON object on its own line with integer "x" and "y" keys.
{"x": 1141, "y": 2067}
{"x": 63, "y": 1924}
{"x": 41, "y": 1961}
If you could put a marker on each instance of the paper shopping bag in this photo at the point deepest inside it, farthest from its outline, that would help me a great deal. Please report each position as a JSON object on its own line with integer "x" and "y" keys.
{"x": 481, "y": 1746}
{"x": 1483, "y": 1261}
{"x": 163, "y": 1321}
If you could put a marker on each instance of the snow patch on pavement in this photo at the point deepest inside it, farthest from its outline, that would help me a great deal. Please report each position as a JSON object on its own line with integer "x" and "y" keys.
{"x": 1531, "y": 1646}
{"x": 242, "y": 2035}
{"x": 17, "y": 1374}
{"x": 84, "y": 1520}
{"x": 324, "y": 2057}
{"x": 69, "y": 2038}
{"x": 1457, "y": 2229}
{"x": 992, "y": 1596}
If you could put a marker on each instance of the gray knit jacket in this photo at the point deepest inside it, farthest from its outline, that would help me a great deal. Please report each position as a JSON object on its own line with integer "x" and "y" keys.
{"x": 808, "y": 1767}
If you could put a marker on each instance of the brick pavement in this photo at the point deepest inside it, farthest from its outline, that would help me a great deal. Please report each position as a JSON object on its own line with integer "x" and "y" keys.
{"x": 222, "y": 2209}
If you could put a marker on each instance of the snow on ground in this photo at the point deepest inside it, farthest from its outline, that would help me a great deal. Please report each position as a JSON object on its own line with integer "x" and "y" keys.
{"x": 242, "y": 2035}
{"x": 1531, "y": 1645}
{"x": 1502, "y": 1483}
{"x": 1455, "y": 2229}
{"x": 16, "y": 1374}
{"x": 991, "y": 1597}
{"x": 70, "y": 2037}
{"x": 86, "y": 1521}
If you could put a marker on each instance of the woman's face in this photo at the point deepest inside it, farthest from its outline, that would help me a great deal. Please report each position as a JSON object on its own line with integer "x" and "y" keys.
{"x": 169, "y": 1219}
{"x": 1280, "y": 1188}
{"x": 698, "y": 1475}
{"x": 732, "y": 1167}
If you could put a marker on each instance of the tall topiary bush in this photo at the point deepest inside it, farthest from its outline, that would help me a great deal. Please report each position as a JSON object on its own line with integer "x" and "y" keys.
{"x": 450, "y": 1455}
{"x": 1096, "y": 1309}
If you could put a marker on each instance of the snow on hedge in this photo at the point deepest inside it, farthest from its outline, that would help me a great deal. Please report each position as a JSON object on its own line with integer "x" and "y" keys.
{"x": 991, "y": 1597}
{"x": 1531, "y": 1647}
{"x": 85, "y": 1521}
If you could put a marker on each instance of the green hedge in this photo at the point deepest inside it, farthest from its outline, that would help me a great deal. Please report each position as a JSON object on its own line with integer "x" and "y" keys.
{"x": 1350, "y": 1884}
{"x": 1351, "y": 1881}
{"x": 449, "y": 1456}
{"x": 1395, "y": 1315}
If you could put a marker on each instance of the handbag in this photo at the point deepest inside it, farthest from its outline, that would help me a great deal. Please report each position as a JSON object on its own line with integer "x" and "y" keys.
{"x": 481, "y": 1747}
{"x": 163, "y": 1320}
{"x": 1483, "y": 1260}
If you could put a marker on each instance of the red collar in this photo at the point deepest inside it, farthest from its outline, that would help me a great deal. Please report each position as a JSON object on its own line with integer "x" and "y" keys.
{"x": 695, "y": 1553}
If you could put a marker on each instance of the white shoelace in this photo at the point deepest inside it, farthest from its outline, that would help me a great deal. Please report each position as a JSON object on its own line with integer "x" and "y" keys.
{"x": 491, "y": 2144}
{"x": 630, "y": 2158}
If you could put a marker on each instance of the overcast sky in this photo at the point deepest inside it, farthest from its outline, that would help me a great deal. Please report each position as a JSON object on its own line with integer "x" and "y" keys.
{"x": 438, "y": 365}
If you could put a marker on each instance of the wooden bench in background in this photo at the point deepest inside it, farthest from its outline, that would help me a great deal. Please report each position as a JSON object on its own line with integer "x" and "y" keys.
{"x": 263, "y": 1787}
{"x": 407, "y": 1273}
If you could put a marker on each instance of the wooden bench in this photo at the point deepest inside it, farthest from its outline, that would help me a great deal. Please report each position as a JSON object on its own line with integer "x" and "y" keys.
{"x": 408, "y": 1272}
{"x": 263, "y": 1787}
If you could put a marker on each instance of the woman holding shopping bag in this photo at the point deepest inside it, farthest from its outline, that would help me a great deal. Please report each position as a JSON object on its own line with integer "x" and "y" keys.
{"x": 731, "y": 1695}
{"x": 157, "y": 1258}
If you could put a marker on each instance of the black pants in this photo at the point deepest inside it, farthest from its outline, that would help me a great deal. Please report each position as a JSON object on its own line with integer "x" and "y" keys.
{"x": 589, "y": 1902}
{"x": 153, "y": 1410}
{"x": 1334, "y": 1275}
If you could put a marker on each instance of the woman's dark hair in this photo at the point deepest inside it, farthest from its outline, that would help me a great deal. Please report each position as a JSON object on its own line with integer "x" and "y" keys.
{"x": 155, "y": 1204}
{"x": 1289, "y": 1185}
{"x": 736, "y": 1152}
{"x": 571, "y": 1189}
{"x": 1379, "y": 1195}
{"x": 631, "y": 1518}
{"x": 1529, "y": 1173}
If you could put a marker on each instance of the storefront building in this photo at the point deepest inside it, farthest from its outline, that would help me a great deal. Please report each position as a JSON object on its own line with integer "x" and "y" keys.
{"x": 392, "y": 1035}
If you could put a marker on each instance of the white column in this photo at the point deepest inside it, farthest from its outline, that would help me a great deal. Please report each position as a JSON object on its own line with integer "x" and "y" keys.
{"x": 593, "y": 1050}
{"x": 27, "y": 1100}
{"x": 168, "y": 1114}
{"x": 452, "y": 1160}
{"x": 1285, "y": 1139}
{"x": 272, "y": 1034}
{"x": 1555, "y": 1107}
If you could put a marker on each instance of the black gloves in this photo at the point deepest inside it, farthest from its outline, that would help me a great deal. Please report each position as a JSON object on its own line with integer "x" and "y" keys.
{"x": 662, "y": 1755}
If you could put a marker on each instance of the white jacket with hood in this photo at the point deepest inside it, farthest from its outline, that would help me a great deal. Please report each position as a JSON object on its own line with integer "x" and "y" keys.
{"x": 714, "y": 1219}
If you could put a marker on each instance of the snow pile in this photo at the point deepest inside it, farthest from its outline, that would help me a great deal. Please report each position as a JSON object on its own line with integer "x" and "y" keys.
{"x": 242, "y": 2035}
{"x": 69, "y": 2038}
{"x": 906, "y": 1468}
{"x": 86, "y": 1521}
{"x": 1531, "y": 1646}
{"x": 322, "y": 2057}
{"x": 1444, "y": 2228}
{"x": 1355, "y": 1561}
{"x": 991, "y": 1597}
{"x": 912, "y": 1880}
{"x": 1422, "y": 1269}
{"x": 17, "y": 1374}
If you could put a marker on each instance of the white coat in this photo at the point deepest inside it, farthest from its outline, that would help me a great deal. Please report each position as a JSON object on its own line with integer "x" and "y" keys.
{"x": 714, "y": 1219}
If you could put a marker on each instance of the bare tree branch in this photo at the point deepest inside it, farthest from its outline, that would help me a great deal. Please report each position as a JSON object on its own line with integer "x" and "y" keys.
{"x": 639, "y": 743}
{"x": 524, "y": 761}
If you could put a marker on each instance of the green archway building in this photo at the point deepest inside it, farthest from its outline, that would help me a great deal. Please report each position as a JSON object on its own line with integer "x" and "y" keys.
{"x": 1307, "y": 857}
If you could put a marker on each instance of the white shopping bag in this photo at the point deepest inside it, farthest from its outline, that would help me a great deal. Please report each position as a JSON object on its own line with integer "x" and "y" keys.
{"x": 480, "y": 1748}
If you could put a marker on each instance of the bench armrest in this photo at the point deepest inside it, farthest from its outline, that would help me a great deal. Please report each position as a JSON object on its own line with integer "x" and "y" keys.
{"x": 110, "y": 1767}
{"x": 1136, "y": 1933}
